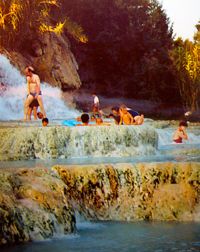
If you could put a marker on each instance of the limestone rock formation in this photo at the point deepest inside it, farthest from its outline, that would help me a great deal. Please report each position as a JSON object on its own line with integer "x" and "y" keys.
{"x": 22, "y": 143}
{"x": 32, "y": 206}
{"x": 52, "y": 59}
{"x": 155, "y": 191}
{"x": 38, "y": 203}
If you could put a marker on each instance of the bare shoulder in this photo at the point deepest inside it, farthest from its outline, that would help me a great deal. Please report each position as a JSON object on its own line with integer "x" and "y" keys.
{"x": 36, "y": 77}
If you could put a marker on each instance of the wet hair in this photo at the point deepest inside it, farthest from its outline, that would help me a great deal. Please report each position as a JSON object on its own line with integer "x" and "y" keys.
{"x": 183, "y": 123}
{"x": 85, "y": 118}
{"x": 30, "y": 69}
{"x": 45, "y": 120}
{"x": 39, "y": 115}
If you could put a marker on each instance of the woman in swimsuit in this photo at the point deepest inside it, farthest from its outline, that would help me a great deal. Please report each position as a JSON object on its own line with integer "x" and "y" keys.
{"x": 33, "y": 89}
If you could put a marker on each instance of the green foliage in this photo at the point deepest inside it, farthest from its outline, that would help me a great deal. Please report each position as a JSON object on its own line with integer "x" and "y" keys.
{"x": 186, "y": 58}
{"x": 23, "y": 20}
{"x": 127, "y": 52}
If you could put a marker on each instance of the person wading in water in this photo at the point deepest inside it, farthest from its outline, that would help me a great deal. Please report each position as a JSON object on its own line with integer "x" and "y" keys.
{"x": 34, "y": 92}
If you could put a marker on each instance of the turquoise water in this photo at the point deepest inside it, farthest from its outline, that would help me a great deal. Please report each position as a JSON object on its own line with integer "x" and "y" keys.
{"x": 123, "y": 237}
{"x": 48, "y": 163}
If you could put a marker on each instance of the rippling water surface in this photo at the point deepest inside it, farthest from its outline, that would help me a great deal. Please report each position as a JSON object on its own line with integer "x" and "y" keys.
{"x": 123, "y": 237}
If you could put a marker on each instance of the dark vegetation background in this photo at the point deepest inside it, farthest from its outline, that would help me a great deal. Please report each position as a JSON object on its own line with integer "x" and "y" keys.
{"x": 128, "y": 50}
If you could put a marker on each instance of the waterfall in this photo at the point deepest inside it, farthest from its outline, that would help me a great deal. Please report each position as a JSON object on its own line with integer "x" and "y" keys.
{"x": 12, "y": 99}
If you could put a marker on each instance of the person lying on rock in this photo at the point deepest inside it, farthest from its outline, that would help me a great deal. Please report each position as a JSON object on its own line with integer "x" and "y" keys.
{"x": 180, "y": 133}
{"x": 130, "y": 117}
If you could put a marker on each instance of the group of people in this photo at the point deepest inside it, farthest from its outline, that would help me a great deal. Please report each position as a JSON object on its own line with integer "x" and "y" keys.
{"x": 121, "y": 115}
{"x": 34, "y": 97}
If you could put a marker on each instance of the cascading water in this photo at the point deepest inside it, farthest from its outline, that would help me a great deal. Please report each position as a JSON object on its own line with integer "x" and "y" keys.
{"x": 165, "y": 139}
{"x": 12, "y": 99}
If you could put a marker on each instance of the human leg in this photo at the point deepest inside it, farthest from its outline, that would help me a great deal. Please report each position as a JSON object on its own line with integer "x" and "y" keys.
{"x": 39, "y": 98}
{"x": 28, "y": 101}
{"x": 35, "y": 113}
{"x": 139, "y": 120}
{"x": 29, "y": 113}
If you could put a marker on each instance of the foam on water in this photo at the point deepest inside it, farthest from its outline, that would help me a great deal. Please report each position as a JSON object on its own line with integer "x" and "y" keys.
{"x": 165, "y": 140}
{"x": 12, "y": 100}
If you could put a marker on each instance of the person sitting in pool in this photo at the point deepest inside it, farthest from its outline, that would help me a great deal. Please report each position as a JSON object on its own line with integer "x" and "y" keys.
{"x": 180, "y": 133}
{"x": 45, "y": 122}
{"x": 85, "y": 120}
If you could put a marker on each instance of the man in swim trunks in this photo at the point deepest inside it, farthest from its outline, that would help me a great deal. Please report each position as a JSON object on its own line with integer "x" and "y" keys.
{"x": 33, "y": 89}
{"x": 180, "y": 133}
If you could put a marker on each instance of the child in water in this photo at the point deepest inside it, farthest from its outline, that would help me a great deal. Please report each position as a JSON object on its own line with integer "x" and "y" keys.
{"x": 85, "y": 119}
{"x": 180, "y": 133}
{"x": 45, "y": 122}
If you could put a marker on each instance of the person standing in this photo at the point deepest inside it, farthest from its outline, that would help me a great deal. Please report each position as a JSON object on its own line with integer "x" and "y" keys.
{"x": 33, "y": 90}
{"x": 95, "y": 108}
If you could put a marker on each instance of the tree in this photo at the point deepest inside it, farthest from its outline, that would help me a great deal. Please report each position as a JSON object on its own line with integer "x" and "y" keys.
{"x": 20, "y": 19}
{"x": 127, "y": 52}
{"x": 186, "y": 58}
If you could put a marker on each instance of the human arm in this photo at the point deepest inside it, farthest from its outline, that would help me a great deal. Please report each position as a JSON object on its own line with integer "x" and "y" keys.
{"x": 131, "y": 118}
{"x": 28, "y": 85}
{"x": 183, "y": 134}
{"x": 121, "y": 119}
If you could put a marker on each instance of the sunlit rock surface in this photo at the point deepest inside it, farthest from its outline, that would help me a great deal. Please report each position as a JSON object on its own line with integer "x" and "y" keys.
{"x": 52, "y": 58}
{"x": 37, "y": 203}
{"x": 62, "y": 142}
{"x": 32, "y": 206}
{"x": 156, "y": 191}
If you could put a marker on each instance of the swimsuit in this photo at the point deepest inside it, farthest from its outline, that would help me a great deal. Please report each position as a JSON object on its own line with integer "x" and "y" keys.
{"x": 132, "y": 112}
{"x": 178, "y": 140}
{"x": 35, "y": 93}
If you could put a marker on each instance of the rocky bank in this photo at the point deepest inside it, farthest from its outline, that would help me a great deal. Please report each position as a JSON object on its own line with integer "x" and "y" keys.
{"x": 52, "y": 58}
{"x": 33, "y": 206}
{"x": 29, "y": 142}
{"x": 143, "y": 191}
{"x": 39, "y": 203}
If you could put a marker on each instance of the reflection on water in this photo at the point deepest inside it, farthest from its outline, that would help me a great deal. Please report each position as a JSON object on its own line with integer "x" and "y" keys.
{"x": 123, "y": 237}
